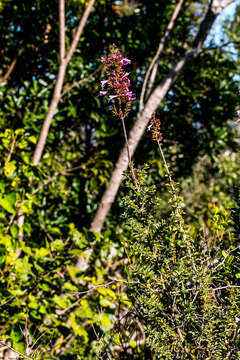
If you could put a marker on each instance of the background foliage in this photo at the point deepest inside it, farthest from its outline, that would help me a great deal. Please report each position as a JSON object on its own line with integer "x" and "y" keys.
{"x": 50, "y": 310}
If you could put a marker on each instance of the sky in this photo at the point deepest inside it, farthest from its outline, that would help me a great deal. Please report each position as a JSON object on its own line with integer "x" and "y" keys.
{"x": 216, "y": 32}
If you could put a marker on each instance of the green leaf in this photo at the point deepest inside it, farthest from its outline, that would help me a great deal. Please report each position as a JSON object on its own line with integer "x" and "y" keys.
{"x": 8, "y": 203}
{"x": 10, "y": 168}
{"x": 14, "y": 230}
{"x": 57, "y": 245}
{"x": 32, "y": 139}
{"x": 106, "y": 321}
{"x": 62, "y": 302}
{"x": 17, "y": 341}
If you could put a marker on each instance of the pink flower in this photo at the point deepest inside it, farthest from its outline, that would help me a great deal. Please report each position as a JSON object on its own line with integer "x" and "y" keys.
{"x": 112, "y": 97}
{"x": 102, "y": 93}
{"x": 125, "y": 61}
{"x": 103, "y": 82}
{"x": 103, "y": 59}
{"x": 237, "y": 319}
{"x": 124, "y": 75}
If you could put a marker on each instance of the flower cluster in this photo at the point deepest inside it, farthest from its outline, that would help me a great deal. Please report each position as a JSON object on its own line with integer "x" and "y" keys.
{"x": 238, "y": 115}
{"x": 116, "y": 86}
{"x": 155, "y": 127}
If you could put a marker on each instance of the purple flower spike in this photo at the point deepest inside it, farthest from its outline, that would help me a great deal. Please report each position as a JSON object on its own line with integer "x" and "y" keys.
{"x": 117, "y": 83}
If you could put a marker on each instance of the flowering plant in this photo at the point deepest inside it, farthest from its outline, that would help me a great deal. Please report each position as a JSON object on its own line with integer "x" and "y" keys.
{"x": 116, "y": 87}
{"x": 117, "y": 84}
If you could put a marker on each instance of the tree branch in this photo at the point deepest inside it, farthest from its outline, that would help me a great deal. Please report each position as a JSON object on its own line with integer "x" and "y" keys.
{"x": 79, "y": 31}
{"x": 62, "y": 30}
{"x": 64, "y": 61}
{"x": 17, "y": 352}
{"x": 12, "y": 66}
{"x": 155, "y": 60}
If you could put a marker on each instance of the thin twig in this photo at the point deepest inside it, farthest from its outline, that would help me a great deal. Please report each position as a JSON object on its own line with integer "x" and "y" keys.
{"x": 80, "y": 82}
{"x": 7, "y": 301}
{"x": 12, "y": 66}
{"x": 129, "y": 155}
{"x": 126, "y": 139}
{"x": 184, "y": 343}
{"x": 48, "y": 235}
{"x": 112, "y": 282}
{"x": 226, "y": 287}
{"x": 10, "y": 222}
{"x": 9, "y": 154}
{"x": 41, "y": 186}
{"x": 17, "y": 352}
{"x": 228, "y": 254}
{"x": 11, "y": 150}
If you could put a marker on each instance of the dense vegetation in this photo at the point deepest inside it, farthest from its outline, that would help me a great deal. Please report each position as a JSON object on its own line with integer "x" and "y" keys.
{"x": 158, "y": 277}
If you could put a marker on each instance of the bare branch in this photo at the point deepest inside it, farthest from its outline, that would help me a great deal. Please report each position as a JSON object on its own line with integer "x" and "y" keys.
{"x": 13, "y": 144}
{"x": 17, "y": 352}
{"x": 226, "y": 287}
{"x": 228, "y": 253}
{"x": 79, "y": 31}
{"x": 62, "y": 29}
{"x": 60, "y": 77}
{"x": 155, "y": 60}
{"x": 46, "y": 182}
{"x": 219, "y": 5}
{"x": 12, "y": 66}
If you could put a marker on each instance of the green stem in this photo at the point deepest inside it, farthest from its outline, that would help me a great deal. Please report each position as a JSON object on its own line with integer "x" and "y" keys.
{"x": 129, "y": 155}
{"x": 175, "y": 198}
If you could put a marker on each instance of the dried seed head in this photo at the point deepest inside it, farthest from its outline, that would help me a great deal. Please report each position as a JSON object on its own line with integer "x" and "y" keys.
{"x": 155, "y": 128}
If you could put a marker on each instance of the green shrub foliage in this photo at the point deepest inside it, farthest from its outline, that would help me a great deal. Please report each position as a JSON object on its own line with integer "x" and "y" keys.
{"x": 49, "y": 308}
{"x": 184, "y": 288}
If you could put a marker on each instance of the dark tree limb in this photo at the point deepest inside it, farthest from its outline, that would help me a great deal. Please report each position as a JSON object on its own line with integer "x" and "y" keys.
{"x": 12, "y": 66}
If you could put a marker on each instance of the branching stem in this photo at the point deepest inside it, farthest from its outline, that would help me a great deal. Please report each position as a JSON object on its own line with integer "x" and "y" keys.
{"x": 175, "y": 198}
